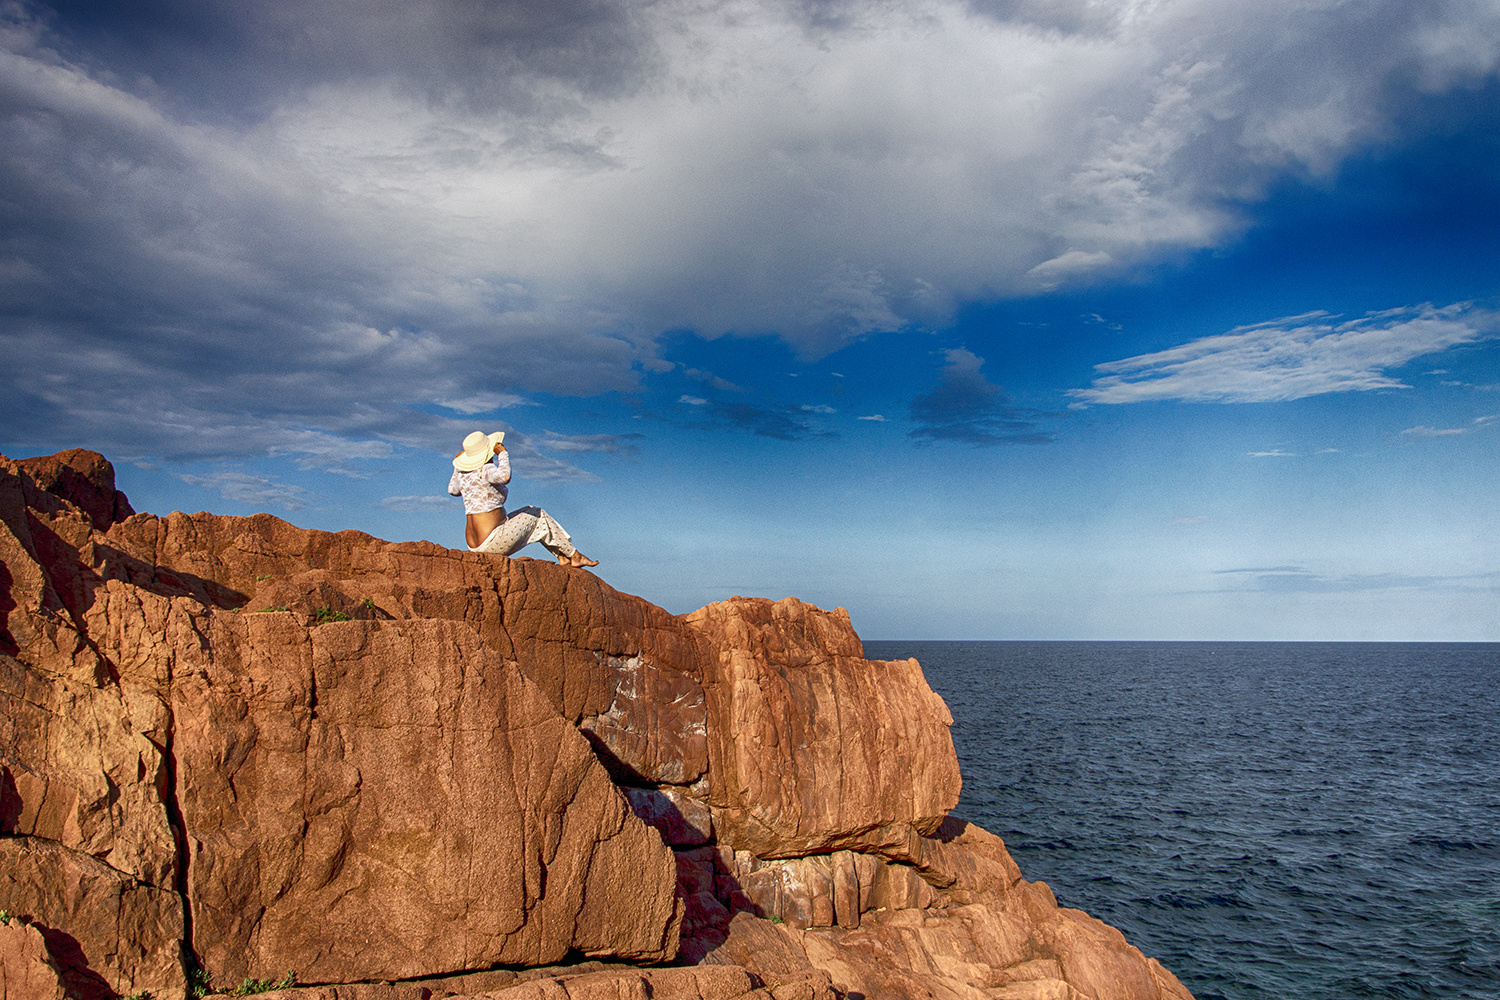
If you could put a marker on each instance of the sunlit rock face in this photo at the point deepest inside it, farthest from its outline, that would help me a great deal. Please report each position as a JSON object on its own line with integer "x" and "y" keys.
{"x": 236, "y": 748}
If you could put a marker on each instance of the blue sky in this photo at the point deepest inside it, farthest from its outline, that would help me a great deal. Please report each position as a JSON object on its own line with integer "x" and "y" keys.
{"x": 1146, "y": 319}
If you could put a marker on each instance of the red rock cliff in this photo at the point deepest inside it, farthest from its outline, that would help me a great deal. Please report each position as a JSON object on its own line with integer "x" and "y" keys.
{"x": 236, "y": 746}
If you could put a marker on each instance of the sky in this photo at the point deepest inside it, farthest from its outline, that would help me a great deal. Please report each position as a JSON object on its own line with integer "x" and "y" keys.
{"x": 997, "y": 319}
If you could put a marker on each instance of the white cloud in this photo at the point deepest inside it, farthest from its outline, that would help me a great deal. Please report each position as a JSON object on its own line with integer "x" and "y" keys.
{"x": 1298, "y": 579}
{"x": 609, "y": 444}
{"x": 257, "y": 491}
{"x": 692, "y": 400}
{"x": 484, "y": 402}
{"x": 419, "y": 504}
{"x": 328, "y": 452}
{"x": 1273, "y": 453}
{"x": 873, "y": 416}
{"x": 1051, "y": 273}
{"x": 1290, "y": 358}
{"x": 1423, "y": 431}
{"x": 818, "y": 408}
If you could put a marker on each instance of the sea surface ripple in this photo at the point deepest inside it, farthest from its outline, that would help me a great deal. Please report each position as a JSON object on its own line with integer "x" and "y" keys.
{"x": 1317, "y": 821}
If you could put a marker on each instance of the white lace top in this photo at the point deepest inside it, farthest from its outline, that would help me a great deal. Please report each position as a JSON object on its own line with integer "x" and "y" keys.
{"x": 484, "y": 488}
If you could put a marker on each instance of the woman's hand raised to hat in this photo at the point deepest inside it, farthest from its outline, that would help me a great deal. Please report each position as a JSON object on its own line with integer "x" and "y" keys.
{"x": 499, "y": 447}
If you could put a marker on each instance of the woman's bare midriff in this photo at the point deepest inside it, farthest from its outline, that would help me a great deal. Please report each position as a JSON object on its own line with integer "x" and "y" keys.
{"x": 477, "y": 527}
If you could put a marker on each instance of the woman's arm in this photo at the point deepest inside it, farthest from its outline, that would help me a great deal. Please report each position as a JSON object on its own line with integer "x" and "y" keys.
{"x": 499, "y": 472}
{"x": 455, "y": 488}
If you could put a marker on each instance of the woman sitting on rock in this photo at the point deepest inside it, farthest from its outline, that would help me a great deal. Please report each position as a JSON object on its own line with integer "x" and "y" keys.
{"x": 482, "y": 485}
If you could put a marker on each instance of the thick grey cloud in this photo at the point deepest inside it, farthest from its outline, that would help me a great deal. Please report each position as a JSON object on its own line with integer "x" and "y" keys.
{"x": 236, "y": 61}
{"x": 283, "y": 226}
{"x": 782, "y": 421}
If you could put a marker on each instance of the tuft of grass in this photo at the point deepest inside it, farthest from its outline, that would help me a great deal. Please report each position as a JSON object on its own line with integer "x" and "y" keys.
{"x": 139, "y": 995}
{"x": 250, "y": 987}
{"x": 263, "y": 577}
{"x": 370, "y": 605}
{"x": 4, "y": 918}
{"x": 279, "y": 607}
{"x": 200, "y": 986}
{"x": 198, "y": 982}
{"x": 775, "y": 919}
{"x": 323, "y": 616}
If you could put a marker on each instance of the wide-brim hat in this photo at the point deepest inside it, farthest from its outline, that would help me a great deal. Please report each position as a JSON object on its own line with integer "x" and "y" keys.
{"x": 478, "y": 447}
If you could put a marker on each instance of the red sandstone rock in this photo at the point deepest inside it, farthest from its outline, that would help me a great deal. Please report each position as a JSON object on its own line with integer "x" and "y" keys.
{"x": 415, "y": 806}
{"x": 706, "y": 983}
{"x": 83, "y": 478}
{"x": 970, "y": 862}
{"x": 682, "y": 821}
{"x": 814, "y": 748}
{"x": 82, "y": 766}
{"x": 519, "y": 861}
{"x": 27, "y": 970}
{"x": 964, "y": 924}
{"x": 625, "y": 671}
{"x": 107, "y": 933}
{"x": 426, "y": 788}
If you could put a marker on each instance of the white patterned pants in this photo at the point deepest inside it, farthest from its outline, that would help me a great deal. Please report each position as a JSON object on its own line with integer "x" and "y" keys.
{"x": 524, "y": 526}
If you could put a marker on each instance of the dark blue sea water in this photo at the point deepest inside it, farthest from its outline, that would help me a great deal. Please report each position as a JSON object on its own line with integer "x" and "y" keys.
{"x": 1318, "y": 821}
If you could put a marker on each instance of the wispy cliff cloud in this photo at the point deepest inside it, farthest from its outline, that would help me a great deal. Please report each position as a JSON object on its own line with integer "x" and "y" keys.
{"x": 1300, "y": 580}
{"x": 1291, "y": 358}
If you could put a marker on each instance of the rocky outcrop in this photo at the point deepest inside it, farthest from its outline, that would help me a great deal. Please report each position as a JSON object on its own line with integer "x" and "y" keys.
{"x": 815, "y": 748}
{"x": 27, "y": 969}
{"x": 399, "y": 771}
{"x": 415, "y": 806}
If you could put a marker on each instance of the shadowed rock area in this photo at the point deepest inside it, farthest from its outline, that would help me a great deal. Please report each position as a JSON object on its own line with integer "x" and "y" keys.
{"x": 232, "y": 748}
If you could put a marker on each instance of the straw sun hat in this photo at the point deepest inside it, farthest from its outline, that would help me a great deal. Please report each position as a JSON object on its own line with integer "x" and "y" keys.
{"x": 478, "y": 447}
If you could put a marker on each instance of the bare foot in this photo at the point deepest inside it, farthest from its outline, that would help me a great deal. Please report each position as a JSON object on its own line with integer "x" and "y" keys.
{"x": 580, "y": 560}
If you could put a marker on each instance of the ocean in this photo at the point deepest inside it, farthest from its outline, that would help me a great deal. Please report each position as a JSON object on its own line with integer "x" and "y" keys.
{"x": 1318, "y": 821}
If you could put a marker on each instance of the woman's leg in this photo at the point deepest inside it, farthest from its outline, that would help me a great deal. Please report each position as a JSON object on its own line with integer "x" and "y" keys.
{"x": 557, "y": 541}
{"x": 532, "y": 524}
{"x": 509, "y": 537}
{"x": 548, "y": 534}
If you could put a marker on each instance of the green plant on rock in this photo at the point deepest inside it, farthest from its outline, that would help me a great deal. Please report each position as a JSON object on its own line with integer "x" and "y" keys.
{"x": 323, "y": 616}
{"x": 200, "y": 986}
{"x": 139, "y": 995}
{"x": 250, "y": 987}
{"x": 198, "y": 982}
{"x": 279, "y": 607}
{"x": 4, "y": 918}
